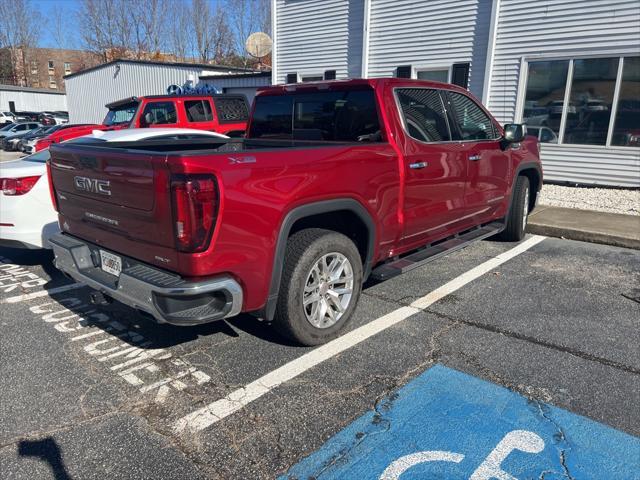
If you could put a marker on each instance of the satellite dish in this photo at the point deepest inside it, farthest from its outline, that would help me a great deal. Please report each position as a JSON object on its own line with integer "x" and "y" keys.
{"x": 259, "y": 44}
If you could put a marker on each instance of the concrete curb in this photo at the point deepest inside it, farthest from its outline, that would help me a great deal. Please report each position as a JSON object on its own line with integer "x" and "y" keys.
{"x": 586, "y": 226}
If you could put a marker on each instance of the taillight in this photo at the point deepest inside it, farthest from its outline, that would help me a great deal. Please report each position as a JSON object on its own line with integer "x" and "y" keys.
{"x": 52, "y": 191}
{"x": 195, "y": 207}
{"x": 17, "y": 186}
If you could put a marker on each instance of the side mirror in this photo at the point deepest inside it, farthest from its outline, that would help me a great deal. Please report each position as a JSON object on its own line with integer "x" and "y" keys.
{"x": 515, "y": 132}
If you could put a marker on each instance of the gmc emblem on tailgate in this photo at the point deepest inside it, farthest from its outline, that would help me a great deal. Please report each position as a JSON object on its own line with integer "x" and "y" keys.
{"x": 92, "y": 185}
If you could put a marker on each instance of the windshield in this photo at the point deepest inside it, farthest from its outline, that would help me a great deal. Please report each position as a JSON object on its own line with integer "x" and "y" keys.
{"x": 349, "y": 115}
{"x": 121, "y": 114}
{"x": 7, "y": 127}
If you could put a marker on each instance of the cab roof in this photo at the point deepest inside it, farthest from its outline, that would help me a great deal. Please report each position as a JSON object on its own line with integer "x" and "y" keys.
{"x": 356, "y": 83}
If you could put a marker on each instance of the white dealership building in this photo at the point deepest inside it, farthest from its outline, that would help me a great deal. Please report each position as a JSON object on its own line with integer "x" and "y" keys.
{"x": 569, "y": 69}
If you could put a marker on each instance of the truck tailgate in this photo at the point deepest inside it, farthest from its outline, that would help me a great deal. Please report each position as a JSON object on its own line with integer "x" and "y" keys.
{"x": 116, "y": 198}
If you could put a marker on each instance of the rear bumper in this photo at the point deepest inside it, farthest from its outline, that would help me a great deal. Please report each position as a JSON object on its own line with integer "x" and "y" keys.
{"x": 167, "y": 297}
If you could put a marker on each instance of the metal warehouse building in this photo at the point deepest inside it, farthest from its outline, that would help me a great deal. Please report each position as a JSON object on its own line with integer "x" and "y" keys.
{"x": 569, "y": 69}
{"x": 90, "y": 90}
{"x": 20, "y": 99}
{"x": 243, "y": 83}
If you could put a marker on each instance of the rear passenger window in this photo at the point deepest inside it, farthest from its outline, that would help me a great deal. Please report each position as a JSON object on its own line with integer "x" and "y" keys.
{"x": 473, "y": 123}
{"x": 424, "y": 115}
{"x": 198, "y": 110}
{"x": 159, "y": 113}
{"x": 231, "y": 109}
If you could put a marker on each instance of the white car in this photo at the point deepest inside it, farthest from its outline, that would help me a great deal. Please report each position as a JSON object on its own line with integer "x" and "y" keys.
{"x": 6, "y": 117}
{"x": 27, "y": 216}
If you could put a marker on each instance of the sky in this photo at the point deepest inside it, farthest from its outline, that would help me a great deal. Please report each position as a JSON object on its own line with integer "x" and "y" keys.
{"x": 47, "y": 9}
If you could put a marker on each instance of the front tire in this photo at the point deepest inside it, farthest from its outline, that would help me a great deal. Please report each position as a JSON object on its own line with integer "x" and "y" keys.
{"x": 321, "y": 285}
{"x": 518, "y": 213}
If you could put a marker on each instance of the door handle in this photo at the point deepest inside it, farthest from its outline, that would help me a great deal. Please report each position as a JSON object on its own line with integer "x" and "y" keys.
{"x": 474, "y": 158}
{"x": 418, "y": 165}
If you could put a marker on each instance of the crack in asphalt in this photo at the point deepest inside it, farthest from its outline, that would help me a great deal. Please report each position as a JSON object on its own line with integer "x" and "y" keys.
{"x": 560, "y": 437}
{"x": 519, "y": 336}
{"x": 543, "y": 343}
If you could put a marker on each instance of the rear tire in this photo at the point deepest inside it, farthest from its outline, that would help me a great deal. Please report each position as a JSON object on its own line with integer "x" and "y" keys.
{"x": 518, "y": 213}
{"x": 321, "y": 285}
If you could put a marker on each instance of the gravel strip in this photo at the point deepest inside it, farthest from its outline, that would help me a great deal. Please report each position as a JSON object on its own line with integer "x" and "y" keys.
{"x": 598, "y": 199}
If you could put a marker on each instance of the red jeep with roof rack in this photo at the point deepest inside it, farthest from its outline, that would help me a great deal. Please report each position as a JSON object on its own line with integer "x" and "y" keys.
{"x": 334, "y": 182}
{"x": 226, "y": 114}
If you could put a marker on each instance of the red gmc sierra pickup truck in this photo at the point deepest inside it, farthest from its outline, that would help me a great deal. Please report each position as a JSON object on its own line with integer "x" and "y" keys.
{"x": 335, "y": 182}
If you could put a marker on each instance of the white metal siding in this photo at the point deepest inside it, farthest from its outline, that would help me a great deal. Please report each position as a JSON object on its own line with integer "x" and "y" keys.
{"x": 432, "y": 33}
{"x": 591, "y": 165}
{"x": 313, "y": 36}
{"x": 89, "y": 92}
{"x": 551, "y": 28}
{"x": 32, "y": 101}
{"x": 244, "y": 85}
{"x": 249, "y": 92}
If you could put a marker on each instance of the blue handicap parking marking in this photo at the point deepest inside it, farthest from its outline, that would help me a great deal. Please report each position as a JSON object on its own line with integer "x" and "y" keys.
{"x": 448, "y": 425}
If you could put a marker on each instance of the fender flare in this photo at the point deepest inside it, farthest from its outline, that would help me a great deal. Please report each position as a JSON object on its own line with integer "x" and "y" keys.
{"x": 519, "y": 169}
{"x": 298, "y": 213}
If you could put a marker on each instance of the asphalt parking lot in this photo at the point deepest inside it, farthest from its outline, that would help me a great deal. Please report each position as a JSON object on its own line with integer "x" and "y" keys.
{"x": 496, "y": 348}
{"x": 8, "y": 156}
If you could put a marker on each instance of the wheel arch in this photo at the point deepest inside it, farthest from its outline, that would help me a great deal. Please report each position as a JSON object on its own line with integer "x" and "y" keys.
{"x": 318, "y": 214}
{"x": 533, "y": 172}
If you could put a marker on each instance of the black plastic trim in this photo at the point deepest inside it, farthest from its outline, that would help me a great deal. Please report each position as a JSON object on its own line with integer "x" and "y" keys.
{"x": 301, "y": 212}
{"x": 519, "y": 169}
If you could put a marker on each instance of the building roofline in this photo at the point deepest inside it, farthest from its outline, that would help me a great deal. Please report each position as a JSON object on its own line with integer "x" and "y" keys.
{"x": 14, "y": 88}
{"x": 238, "y": 75}
{"x": 154, "y": 62}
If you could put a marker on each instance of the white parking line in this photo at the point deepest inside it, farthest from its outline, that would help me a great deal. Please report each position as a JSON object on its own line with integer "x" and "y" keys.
{"x": 42, "y": 293}
{"x": 238, "y": 399}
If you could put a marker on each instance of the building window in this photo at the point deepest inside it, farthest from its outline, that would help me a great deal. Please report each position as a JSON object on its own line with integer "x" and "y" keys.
{"x": 590, "y": 101}
{"x": 67, "y": 68}
{"x": 52, "y": 82}
{"x": 626, "y": 126}
{"x": 545, "y": 94}
{"x": 434, "y": 74}
{"x": 584, "y": 114}
{"x": 34, "y": 67}
{"x": 312, "y": 77}
{"x": 50, "y": 64}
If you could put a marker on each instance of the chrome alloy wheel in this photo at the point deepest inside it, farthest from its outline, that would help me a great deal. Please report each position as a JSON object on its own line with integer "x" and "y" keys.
{"x": 328, "y": 290}
{"x": 525, "y": 209}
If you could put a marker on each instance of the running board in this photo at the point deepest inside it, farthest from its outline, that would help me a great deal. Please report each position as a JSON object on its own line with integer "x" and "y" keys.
{"x": 421, "y": 257}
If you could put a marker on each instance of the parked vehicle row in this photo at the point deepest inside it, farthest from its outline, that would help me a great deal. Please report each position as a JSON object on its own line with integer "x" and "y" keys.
{"x": 45, "y": 118}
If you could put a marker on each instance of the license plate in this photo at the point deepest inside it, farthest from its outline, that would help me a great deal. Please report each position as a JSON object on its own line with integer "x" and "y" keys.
{"x": 110, "y": 263}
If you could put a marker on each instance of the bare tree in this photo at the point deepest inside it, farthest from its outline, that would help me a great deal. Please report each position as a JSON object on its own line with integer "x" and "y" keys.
{"x": 211, "y": 33}
{"x": 99, "y": 25}
{"x": 19, "y": 32}
{"x": 247, "y": 17}
{"x": 126, "y": 28}
{"x": 178, "y": 27}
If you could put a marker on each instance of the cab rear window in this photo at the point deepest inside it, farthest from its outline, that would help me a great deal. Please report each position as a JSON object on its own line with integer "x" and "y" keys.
{"x": 347, "y": 116}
